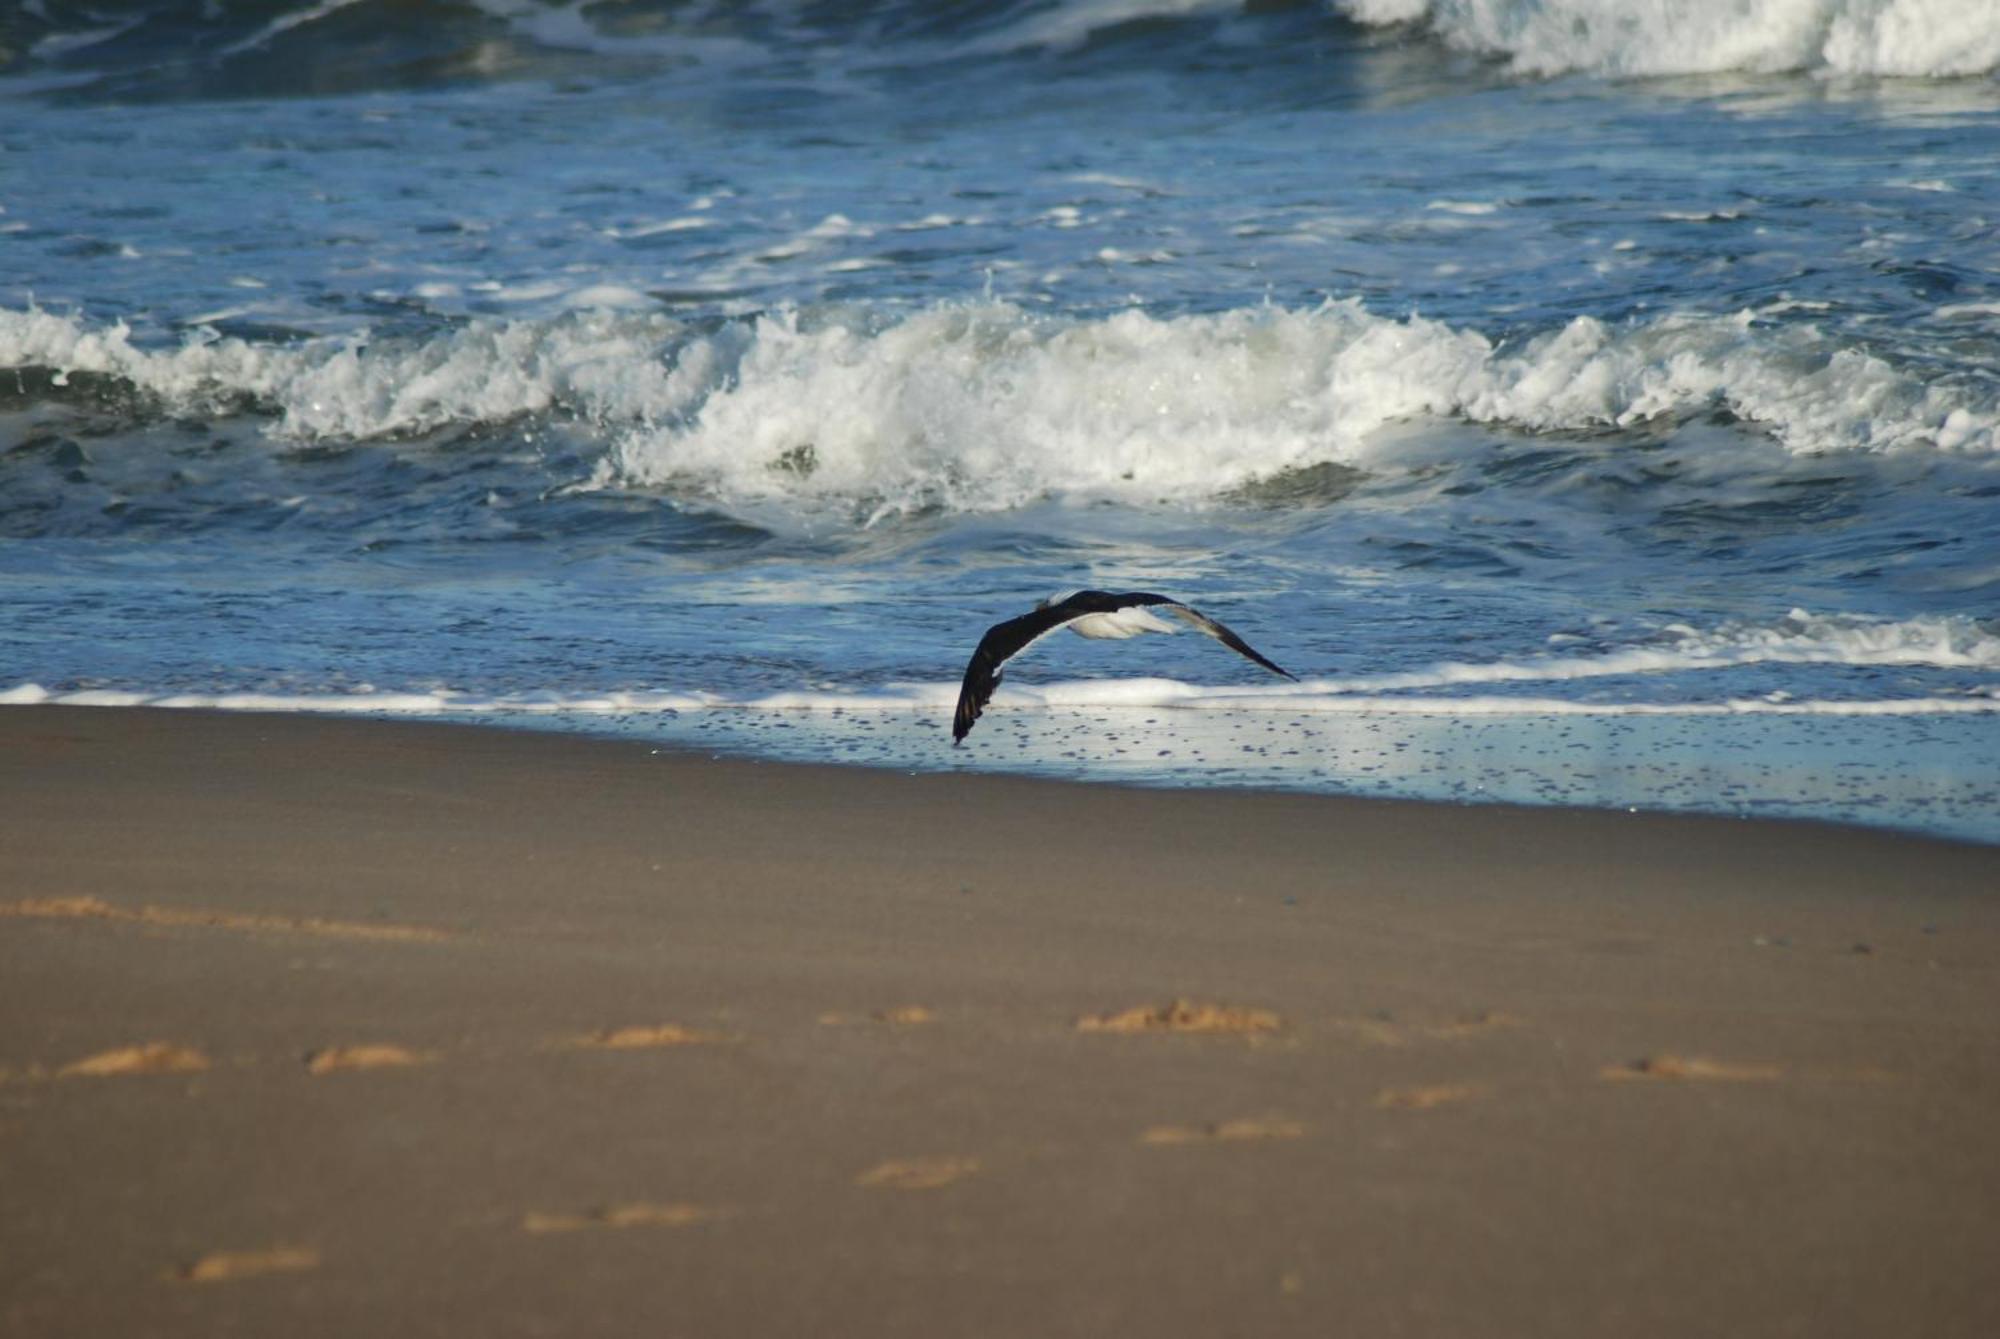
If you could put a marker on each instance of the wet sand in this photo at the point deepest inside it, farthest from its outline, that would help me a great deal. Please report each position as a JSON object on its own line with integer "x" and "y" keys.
{"x": 315, "y": 1027}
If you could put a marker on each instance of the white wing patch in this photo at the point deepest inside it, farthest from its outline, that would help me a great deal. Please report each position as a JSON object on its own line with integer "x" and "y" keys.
{"x": 1119, "y": 624}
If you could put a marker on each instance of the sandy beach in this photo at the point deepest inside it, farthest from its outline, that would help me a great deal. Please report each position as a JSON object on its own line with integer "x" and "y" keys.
{"x": 316, "y": 1027}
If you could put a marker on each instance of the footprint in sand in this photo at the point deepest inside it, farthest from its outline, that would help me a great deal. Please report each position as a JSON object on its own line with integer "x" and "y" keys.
{"x": 921, "y": 1173}
{"x": 379, "y": 1055}
{"x": 646, "y": 1037}
{"x": 1691, "y": 1069}
{"x": 96, "y": 909}
{"x": 228, "y": 1266}
{"x": 905, "y": 1015}
{"x": 1183, "y": 1016}
{"x": 1425, "y": 1098}
{"x": 153, "y": 1057}
{"x": 1386, "y": 1031}
{"x": 617, "y": 1216}
{"x": 1228, "y": 1131}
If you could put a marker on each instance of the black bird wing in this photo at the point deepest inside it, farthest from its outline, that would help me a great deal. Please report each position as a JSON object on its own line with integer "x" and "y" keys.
{"x": 1004, "y": 641}
{"x": 1201, "y": 622}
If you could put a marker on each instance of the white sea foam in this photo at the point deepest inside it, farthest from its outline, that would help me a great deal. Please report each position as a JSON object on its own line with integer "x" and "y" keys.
{"x": 284, "y": 23}
{"x": 1167, "y": 694}
{"x": 597, "y": 364}
{"x": 679, "y": 223}
{"x": 1080, "y": 694}
{"x": 986, "y": 407}
{"x": 972, "y": 408}
{"x": 371, "y": 702}
{"x": 1441, "y": 690}
{"x": 1070, "y": 23}
{"x": 1801, "y": 638}
{"x": 1914, "y": 38}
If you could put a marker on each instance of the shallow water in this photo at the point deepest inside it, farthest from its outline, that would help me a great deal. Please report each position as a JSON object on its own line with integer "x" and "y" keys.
{"x": 1590, "y": 404}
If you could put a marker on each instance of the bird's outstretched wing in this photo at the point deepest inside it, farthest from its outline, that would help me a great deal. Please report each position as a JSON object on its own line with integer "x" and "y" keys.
{"x": 1201, "y": 622}
{"x": 1004, "y": 641}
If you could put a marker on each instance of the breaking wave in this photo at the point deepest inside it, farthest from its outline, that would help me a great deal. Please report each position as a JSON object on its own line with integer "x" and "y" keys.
{"x": 1894, "y": 38}
{"x": 594, "y": 364}
{"x": 165, "y": 49}
{"x": 987, "y": 407}
{"x": 984, "y": 408}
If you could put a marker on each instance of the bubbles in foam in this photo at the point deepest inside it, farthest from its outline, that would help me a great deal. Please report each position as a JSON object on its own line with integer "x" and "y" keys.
{"x": 593, "y": 363}
{"x": 987, "y": 407}
{"x": 1067, "y": 25}
{"x": 1914, "y": 38}
{"x": 1801, "y": 638}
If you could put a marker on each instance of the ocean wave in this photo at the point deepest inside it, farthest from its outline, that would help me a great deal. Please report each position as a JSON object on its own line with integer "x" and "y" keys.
{"x": 1878, "y": 38}
{"x": 987, "y": 407}
{"x": 1077, "y": 695}
{"x": 599, "y": 365}
{"x": 1677, "y": 653}
{"x": 1170, "y": 694}
{"x": 168, "y": 49}
{"x": 1066, "y": 26}
{"x": 1800, "y": 638}
{"x": 171, "y": 49}
{"x": 982, "y": 408}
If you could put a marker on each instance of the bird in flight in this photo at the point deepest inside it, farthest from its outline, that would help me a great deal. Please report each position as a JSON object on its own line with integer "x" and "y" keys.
{"x": 1089, "y": 613}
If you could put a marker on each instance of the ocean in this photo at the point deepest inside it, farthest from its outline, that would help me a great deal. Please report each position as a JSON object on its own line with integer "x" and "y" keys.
{"x": 1592, "y": 403}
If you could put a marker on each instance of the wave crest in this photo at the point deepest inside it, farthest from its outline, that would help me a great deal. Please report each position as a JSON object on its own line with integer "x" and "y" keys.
{"x": 1677, "y": 656}
{"x": 987, "y": 407}
{"x": 597, "y": 365}
{"x": 1895, "y": 38}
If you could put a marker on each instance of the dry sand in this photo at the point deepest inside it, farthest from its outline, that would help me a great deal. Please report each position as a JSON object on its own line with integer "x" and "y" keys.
{"x": 355, "y": 1029}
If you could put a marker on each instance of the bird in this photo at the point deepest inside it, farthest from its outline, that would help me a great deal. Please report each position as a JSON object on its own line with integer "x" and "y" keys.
{"x": 1088, "y": 613}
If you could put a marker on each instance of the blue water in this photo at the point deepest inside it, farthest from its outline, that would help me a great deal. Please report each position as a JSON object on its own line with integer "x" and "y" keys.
{"x": 1592, "y": 404}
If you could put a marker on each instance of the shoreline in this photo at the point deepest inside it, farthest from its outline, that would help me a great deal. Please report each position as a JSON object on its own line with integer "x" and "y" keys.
{"x": 1914, "y": 802}
{"x": 344, "y": 1026}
